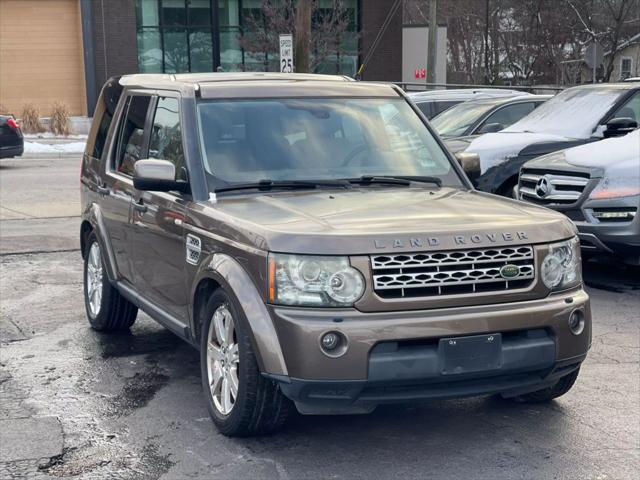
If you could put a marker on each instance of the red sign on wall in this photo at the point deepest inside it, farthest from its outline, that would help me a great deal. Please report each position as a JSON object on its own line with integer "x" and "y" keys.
{"x": 420, "y": 73}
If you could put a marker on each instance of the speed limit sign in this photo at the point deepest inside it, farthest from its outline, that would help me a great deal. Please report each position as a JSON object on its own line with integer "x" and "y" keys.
{"x": 286, "y": 53}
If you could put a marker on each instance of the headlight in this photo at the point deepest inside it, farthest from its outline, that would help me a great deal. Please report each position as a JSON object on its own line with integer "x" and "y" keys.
{"x": 561, "y": 267}
{"x": 313, "y": 281}
{"x": 616, "y": 187}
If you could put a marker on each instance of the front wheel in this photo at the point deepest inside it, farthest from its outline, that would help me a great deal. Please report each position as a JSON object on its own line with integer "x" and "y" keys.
{"x": 240, "y": 400}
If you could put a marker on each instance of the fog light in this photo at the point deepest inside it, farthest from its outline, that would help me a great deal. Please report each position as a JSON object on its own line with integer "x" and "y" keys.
{"x": 333, "y": 344}
{"x": 330, "y": 341}
{"x": 576, "y": 322}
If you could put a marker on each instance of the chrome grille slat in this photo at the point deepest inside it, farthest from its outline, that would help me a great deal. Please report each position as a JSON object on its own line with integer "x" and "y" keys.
{"x": 403, "y": 273}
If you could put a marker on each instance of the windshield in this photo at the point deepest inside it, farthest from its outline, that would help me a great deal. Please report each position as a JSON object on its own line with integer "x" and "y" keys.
{"x": 455, "y": 121}
{"x": 316, "y": 139}
{"x": 574, "y": 113}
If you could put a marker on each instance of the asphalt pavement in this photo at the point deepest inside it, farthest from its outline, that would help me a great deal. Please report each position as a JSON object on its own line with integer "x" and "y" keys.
{"x": 78, "y": 404}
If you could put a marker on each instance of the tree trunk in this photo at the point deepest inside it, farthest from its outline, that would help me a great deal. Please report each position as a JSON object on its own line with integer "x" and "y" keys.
{"x": 302, "y": 36}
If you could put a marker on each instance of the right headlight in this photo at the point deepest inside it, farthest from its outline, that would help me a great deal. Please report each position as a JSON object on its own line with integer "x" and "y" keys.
{"x": 561, "y": 267}
{"x": 313, "y": 281}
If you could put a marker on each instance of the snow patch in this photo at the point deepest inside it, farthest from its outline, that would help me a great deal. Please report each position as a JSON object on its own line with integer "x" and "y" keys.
{"x": 574, "y": 113}
{"x": 72, "y": 147}
{"x": 607, "y": 153}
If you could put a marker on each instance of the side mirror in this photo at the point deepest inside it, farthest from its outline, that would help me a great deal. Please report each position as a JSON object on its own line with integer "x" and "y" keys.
{"x": 620, "y": 126}
{"x": 491, "y": 128}
{"x": 157, "y": 176}
{"x": 470, "y": 163}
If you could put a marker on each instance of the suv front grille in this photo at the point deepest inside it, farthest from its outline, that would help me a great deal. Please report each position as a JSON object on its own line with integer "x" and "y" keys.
{"x": 452, "y": 272}
{"x": 552, "y": 186}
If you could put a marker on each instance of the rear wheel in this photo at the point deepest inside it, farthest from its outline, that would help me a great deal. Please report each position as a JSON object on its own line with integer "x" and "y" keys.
{"x": 107, "y": 310}
{"x": 240, "y": 400}
{"x": 561, "y": 387}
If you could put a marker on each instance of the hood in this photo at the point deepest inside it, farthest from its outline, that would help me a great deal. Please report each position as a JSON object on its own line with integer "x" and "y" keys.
{"x": 496, "y": 148}
{"x": 369, "y": 220}
{"x": 611, "y": 155}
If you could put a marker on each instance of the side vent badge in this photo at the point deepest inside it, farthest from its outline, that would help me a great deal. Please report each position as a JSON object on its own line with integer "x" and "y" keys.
{"x": 193, "y": 249}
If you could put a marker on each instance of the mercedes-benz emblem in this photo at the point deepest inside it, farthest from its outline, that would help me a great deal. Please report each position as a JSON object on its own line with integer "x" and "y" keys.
{"x": 542, "y": 187}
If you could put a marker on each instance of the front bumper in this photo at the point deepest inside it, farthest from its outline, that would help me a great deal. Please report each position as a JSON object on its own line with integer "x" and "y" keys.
{"x": 393, "y": 356}
{"x": 621, "y": 238}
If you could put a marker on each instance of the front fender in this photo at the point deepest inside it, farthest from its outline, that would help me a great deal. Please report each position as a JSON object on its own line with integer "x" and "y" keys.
{"x": 229, "y": 274}
{"x": 495, "y": 177}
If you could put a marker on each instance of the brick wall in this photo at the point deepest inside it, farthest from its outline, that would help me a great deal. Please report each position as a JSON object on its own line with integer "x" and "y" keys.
{"x": 114, "y": 23}
{"x": 386, "y": 62}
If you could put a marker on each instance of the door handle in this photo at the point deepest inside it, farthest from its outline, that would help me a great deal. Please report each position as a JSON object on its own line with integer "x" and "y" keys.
{"x": 103, "y": 190}
{"x": 140, "y": 207}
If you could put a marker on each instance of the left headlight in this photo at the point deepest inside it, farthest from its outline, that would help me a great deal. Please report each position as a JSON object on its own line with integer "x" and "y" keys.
{"x": 313, "y": 281}
{"x": 561, "y": 267}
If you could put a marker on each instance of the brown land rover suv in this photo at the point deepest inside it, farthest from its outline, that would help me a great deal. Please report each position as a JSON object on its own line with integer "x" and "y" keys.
{"x": 312, "y": 237}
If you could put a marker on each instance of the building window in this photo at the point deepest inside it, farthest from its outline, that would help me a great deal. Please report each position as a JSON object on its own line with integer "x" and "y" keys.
{"x": 625, "y": 68}
{"x": 175, "y": 36}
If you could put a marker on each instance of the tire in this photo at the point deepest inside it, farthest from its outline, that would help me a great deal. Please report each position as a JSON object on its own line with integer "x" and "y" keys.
{"x": 561, "y": 387}
{"x": 107, "y": 310}
{"x": 259, "y": 407}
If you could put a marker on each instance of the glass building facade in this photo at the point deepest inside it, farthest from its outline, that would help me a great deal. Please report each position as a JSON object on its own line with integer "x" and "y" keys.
{"x": 176, "y": 36}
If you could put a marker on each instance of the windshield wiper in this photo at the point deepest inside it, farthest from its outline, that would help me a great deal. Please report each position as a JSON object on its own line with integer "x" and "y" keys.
{"x": 395, "y": 180}
{"x": 267, "y": 184}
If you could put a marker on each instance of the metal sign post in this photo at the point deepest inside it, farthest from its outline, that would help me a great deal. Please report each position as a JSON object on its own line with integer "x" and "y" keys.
{"x": 286, "y": 53}
{"x": 593, "y": 57}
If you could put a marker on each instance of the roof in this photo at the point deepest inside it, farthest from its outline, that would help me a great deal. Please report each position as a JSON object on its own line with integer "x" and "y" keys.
{"x": 260, "y": 84}
{"x": 510, "y": 99}
{"x": 609, "y": 86}
{"x": 143, "y": 79}
{"x": 464, "y": 94}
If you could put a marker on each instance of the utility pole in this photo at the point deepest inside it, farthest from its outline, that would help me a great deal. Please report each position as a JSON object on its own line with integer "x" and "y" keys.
{"x": 303, "y": 35}
{"x": 433, "y": 41}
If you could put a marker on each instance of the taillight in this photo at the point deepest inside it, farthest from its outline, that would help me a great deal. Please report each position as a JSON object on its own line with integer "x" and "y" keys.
{"x": 13, "y": 124}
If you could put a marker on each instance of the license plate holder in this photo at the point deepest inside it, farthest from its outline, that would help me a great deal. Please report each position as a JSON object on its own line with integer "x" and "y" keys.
{"x": 475, "y": 353}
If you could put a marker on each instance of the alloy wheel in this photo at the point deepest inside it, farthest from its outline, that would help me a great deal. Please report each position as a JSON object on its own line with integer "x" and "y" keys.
{"x": 94, "y": 280}
{"x": 222, "y": 360}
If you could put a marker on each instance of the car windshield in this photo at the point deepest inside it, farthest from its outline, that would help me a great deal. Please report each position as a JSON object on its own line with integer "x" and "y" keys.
{"x": 316, "y": 139}
{"x": 574, "y": 113}
{"x": 456, "y": 120}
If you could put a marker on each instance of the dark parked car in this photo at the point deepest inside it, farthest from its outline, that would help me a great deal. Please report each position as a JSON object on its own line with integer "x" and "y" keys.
{"x": 434, "y": 102}
{"x": 313, "y": 238}
{"x": 573, "y": 117}
{"x": 598, "y": 187}
{"x": 475, "y": 117}
{"x": 11, "y": 139}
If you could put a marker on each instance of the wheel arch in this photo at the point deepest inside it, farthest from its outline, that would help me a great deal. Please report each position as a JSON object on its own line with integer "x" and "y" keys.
{"x": 92, "y": 222}
{"x": 222, "y": 271}
{"x": 85, "y": 230}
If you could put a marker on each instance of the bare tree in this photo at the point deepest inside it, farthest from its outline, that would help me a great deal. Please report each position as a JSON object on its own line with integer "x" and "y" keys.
{"x": 322, "y": 38}
{"x": 526, "y": 41}
{"x": 610, "y": 22}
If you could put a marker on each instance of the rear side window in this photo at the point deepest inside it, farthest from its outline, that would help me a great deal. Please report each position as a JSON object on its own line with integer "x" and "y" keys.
{"x": 102, "y": 118}
{"x": 440, "y": 107}
{"x": 510, "y": 114}
{"x": 166, "y": 135}
{"x": 130, "y": 144}
{"x": 425, "y": 108}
